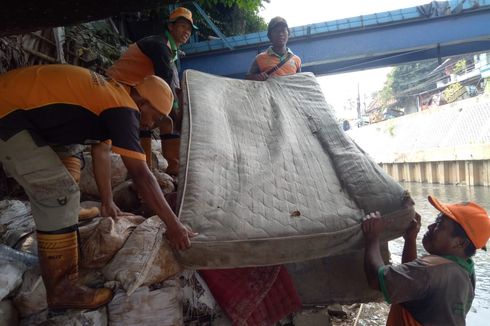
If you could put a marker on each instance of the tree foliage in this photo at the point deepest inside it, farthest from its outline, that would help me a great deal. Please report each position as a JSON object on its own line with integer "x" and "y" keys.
{"x": 406, "y": 80}
{"x": 232, "y": 17}
{"x": 250, "y": 5}
{"x": 232, "y": 20}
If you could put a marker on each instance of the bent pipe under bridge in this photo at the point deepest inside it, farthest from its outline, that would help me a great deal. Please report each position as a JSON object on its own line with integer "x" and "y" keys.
{"x": 359, "y": 49}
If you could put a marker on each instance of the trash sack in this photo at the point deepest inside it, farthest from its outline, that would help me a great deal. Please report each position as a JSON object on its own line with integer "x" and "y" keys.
{"x": 17, "y": 221}
{"x": 125, "y": 196}
{"x": 8, "y": 314}
{"x": 148, "y": 306}
{"x": 86, "y": 228}
{"x": 165, "y": 181}
{"x": 27, "y": 243}
{"x": 146, "y": 258}
{"x": 11, "y": 210}
{"x": 70, "y": 318}
{"x": 198, "y": 301}
{"x": 31, "y": 297}
{"x": 11, "y": 254}
{"x": 106, "y": 239}
{"x": 88, "y": 186}
{"x": 158, "y": 161}
{"x": 10, "y": 275}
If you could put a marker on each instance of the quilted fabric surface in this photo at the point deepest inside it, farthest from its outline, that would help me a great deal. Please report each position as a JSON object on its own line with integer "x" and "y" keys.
{"x": 268, "y": 177}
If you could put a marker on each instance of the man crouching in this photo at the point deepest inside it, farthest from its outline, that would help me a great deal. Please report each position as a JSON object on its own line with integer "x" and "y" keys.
{"x": 436, "y": 289}
{"x": 43, "y": 107}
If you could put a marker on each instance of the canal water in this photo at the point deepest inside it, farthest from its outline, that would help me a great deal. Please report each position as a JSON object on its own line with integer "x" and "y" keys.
{"x": 479, "y": 314}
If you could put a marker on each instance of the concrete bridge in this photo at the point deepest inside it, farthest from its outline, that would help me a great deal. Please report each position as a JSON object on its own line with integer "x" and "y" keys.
{"x": 370, "y": 41}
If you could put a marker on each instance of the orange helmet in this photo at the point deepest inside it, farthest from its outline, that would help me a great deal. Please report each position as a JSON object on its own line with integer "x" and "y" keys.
{"x": 182, "y": 12}
{"x": 473, "y": 219}
{"x": 156, "y": 91}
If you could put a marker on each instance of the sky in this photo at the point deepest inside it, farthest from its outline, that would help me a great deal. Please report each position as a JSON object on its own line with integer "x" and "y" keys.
{"x": 306, "y": 12}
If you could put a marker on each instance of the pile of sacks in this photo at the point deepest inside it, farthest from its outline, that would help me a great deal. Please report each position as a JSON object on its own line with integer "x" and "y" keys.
{"x": 129, "y": 255}
{"x": 125, "y": 195}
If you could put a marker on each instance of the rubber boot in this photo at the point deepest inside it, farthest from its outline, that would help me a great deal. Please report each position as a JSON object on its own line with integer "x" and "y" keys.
{"x": 170, "y": 150}
{"x": 58, "y": 258}
{"x": 74, "y": 165}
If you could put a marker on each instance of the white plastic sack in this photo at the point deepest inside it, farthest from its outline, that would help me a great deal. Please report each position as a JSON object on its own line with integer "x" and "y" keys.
{"x": 146, "y": 258}
{"x": 146, "y": 307}
{"x": 16, "y": 221}
{"x": 86, "y": 228}
{"x": 70, "y": 318}
{"x": 28, "y": 244}
{"x": 10, "y": 276}
{"x": 88, "y": 186}
{"x": 165, "y": 181}
{"x": 106, "y": 239}
{"x": 31, "y": 297}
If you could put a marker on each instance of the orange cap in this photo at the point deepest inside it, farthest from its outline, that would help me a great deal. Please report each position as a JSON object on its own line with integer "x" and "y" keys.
{"x": 156, "y": 91}
{"x": 181, "y": 12}
{"x": 472, "y": 218}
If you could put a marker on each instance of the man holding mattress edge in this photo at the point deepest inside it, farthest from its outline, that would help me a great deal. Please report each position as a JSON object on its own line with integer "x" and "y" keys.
{"x": 63, "y": 105}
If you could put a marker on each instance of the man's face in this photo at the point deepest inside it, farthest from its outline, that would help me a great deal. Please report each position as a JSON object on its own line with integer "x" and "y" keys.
{"x": 149, "y": 116}
{"x": 439, "y": 239}
{"x": 180, "y": 30}
{"x": 279, "y": 36}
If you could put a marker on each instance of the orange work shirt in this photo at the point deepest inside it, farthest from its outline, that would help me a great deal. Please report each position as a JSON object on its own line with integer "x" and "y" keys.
{"x": 65, "y": 104}
{"x": 269, "y": 59}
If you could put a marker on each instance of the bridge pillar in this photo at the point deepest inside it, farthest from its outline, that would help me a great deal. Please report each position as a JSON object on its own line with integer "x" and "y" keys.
{"x": 473, "y": 172}
{"x": 460, "y": 173}
{"x": 395, "y": 171}
{"x": 452, "y": 172}
{"x": 443, "y": 173}
{"x": 388, "y": 168}
{"x": 420, "y": 172}
{"x": 431, "y": 172}
{"x": 482, "y": 173}
{"x": 401, "y": 171}
{"x": 486, "y": 173}
{"x": 408, "y": 172}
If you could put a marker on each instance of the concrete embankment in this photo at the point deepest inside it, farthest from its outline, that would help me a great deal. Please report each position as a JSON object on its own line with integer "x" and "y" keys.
{"x": 447, "y": 145}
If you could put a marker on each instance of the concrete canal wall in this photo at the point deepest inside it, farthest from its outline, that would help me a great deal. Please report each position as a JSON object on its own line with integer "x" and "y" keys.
{"x": 447, "y": 145}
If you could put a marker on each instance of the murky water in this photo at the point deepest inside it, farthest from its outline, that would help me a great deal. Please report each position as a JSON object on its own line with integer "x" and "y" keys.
{"x": 479, "y": 314}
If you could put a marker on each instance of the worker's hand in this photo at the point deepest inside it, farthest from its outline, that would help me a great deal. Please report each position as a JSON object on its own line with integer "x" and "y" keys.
{"x": 111, "y": 209}
{"x": 372, "y": 226}
{"x": 413, "y": 229}
{"x": 179, "y": 235}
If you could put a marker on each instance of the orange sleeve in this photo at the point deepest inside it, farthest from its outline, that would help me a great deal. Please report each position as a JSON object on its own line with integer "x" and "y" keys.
{"x": 129, "y": 153}
{"x": 298, "y": 61}
{"x": 400, "y": 316}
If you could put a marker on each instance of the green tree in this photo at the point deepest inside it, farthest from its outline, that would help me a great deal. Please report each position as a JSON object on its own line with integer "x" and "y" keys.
{"x": 251, "y": 5}
{"x": 406, "y": 80}
{"x": 232, "y": 20}
{"x": 232, "y": 17}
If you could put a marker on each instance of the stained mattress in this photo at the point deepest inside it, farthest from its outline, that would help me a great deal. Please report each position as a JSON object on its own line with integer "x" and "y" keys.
{"x": 267, "y": 176}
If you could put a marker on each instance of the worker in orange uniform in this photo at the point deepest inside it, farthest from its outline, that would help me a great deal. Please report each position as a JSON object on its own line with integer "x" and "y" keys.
{"x": 435, "y": 289}
{"x": 278, "y": 59}
{"x": 159, "y": 55}
{"x": 51, "y": 105}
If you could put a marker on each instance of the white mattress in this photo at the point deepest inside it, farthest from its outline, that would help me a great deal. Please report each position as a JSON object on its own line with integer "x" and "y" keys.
{"x": 268, "y": 177}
